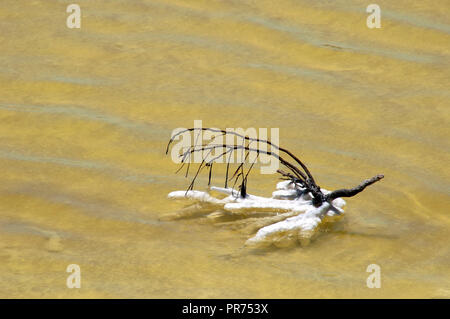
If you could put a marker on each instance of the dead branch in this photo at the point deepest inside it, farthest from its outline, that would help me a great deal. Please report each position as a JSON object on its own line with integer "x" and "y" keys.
{"x": 300, "y": 175}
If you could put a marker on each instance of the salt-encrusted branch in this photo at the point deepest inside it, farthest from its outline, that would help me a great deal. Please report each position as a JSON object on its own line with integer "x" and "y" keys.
{"x": 285, "y": 222}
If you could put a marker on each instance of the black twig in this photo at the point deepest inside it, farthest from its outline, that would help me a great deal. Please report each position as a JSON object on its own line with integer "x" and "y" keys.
{"x": 353, "y": 191}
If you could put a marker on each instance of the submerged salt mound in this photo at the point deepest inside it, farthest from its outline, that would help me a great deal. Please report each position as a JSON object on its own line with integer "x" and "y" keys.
{"x": 300, "y": 219}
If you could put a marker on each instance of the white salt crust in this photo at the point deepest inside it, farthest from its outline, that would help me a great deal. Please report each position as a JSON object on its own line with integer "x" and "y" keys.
{"x": 302, "y": 218}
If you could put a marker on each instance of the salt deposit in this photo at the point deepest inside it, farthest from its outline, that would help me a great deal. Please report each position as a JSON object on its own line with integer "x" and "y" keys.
{"x": 300, "y": 219}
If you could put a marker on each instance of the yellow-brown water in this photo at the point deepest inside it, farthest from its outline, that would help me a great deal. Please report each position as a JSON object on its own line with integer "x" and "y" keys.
{"x": 85, "y": 115}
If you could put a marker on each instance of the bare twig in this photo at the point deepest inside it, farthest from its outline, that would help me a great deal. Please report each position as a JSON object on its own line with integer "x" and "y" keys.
{"x": 353, "y": 191}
